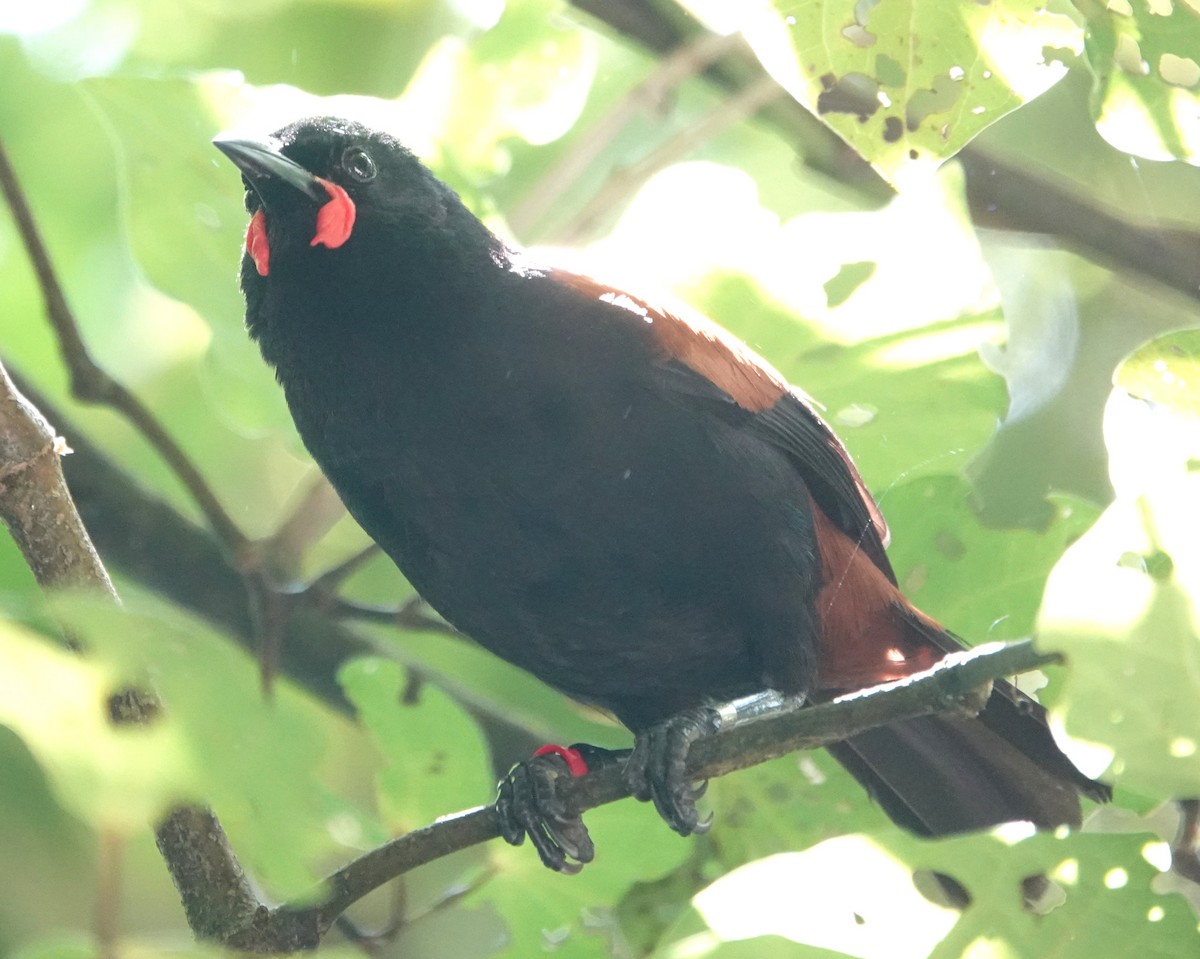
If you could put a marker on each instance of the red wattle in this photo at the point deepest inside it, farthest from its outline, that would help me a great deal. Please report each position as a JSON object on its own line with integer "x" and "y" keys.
{"x": 256, "y": 243}
{"x": 575, "y": 761}
{"x": 335, "y": 220}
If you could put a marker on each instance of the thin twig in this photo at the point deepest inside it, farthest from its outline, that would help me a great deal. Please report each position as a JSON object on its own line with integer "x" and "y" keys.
{"x": 311, "y": 518}
{"x": 333, "y": 577}
{"x": 90, "y": 383}
{"x": 108, "y": 892}
{"x": 688, "y": 60}
{"x": 623, "y": 183}
{"x": 406, "y": 616}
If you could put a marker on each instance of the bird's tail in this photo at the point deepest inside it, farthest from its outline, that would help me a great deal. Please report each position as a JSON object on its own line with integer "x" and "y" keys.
{"x": 944, "y": 774}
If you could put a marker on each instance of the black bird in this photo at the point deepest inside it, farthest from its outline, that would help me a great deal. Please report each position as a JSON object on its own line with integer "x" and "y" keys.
{"x": 618, "y": 497}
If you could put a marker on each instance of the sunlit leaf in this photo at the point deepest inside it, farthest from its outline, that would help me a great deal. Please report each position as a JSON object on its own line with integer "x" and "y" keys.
{"x": 982, "y": 583}
{"x": 1146, "y": 59}
{"x": 856, "y": 895}
{"x": 1166, "y": 372}
{"x": 786, "y": 805}
{"x": 1124, "y": 602}
{"x": 915, "y": 81}
{"x": 117, "y": 778}
{"x": 1124, "y": 605}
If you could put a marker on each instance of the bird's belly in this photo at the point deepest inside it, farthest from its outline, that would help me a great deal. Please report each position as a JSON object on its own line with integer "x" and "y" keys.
{"x": 561, "y": 581}
{"x": 616, "y": 551}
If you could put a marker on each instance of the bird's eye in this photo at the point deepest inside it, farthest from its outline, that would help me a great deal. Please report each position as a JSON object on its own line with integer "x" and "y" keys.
{"x": 359, "y": 165}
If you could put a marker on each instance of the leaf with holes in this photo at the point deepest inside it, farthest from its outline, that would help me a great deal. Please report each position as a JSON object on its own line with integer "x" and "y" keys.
{"x": 1166, "y": 372}
{"x": 1124, "y": 606}
{"x": 916, "y": 80}
{"x": 1144, "y": 55}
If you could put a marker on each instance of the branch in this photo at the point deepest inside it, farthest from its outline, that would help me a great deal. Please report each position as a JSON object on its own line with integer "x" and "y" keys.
{"x": 35, "y": 504}
{"x": 953, "y": 684}
{"x": 238, "y": 919}
{"x": 37, "y": 508}
{"x": 318, "y": 510}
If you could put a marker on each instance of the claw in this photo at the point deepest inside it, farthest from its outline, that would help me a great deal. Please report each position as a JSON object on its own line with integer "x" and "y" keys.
{"x": 527, "y": 804}
{"x": 656, "y": 769}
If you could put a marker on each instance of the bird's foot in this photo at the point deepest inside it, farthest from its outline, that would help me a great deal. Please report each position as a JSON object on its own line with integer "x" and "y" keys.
{"x": 657, "y": 768}
{"x": 528, "y": 805}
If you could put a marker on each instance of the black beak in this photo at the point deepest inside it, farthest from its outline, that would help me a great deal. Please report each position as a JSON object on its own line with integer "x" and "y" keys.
{"x": 261, "y": 162}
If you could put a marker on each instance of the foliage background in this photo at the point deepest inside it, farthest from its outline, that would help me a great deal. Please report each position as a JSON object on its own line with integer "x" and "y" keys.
{"x": 970, "y": 370}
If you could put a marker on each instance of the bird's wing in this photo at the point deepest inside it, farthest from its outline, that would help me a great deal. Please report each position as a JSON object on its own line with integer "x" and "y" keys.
{"x": 702, "y": 364}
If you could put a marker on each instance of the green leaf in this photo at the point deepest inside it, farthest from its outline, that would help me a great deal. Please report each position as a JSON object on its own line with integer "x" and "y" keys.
{"x": 526, "y": 77}
{"x": 1124, "y": 602}
{"x": 790, "y": 803}
{"x": 1124, "y": 606}
{"x": 185, "y": 216}
{"x": 855, "y": 895}
{"x": 116, "y": 778}
{"x": 1166, "y": 372}
{"x": 982, "y": 583}
{"x": 550, "y": 912}
{"x": 845, "y": 895}
{"x": 1144, "y": 55}
{"x": 497, "y": 687}
{"x": 914, "y": 81}
{"x": 436, "y": 761}
{"x": 219, "y": 740}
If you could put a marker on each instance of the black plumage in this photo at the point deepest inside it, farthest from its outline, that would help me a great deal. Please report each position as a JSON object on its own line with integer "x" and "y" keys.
{"x": 617, "y": 497}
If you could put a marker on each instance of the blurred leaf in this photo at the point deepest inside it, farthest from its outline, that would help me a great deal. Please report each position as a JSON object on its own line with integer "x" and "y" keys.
{"x": 115, "y": 778}
{"x": 436, "y": 760}
{"x": 983, "y": 583}
{"x": 915, "y": 81}
{"x": 787, "y": 804}
{"x": 19, "y": 591}
{"x": 527, "y": 77}
{"x": 550, "y": 912}
{"x": 702, "y": 943}
{"x": 1166, "y": 372}
{"x": 1110, "y": 907}
{"x": 219, "y": 741}
{"x": 846, "y": 895}
{"x": 1124, "y": 602}
{"x": 186, "y": 220}
{"x": 503, "y": 690}
{"x": 848, "y": 279}
{"x": 1145, "y": 58}
{"x": 1124, "y": 606}
{"x": 61, "y": 946}
{"x": 855, "y": 895}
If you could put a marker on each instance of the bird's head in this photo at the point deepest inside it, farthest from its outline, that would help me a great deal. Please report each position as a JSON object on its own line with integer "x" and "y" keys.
{"x": 326, "y": 187}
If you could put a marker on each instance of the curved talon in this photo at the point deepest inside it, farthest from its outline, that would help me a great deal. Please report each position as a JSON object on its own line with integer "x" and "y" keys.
{"x": 657, "y": 769}
{"x": 527, "y": 804}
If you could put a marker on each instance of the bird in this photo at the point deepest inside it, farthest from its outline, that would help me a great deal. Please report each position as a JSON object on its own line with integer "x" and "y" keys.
{"x": 607, "y": 490}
